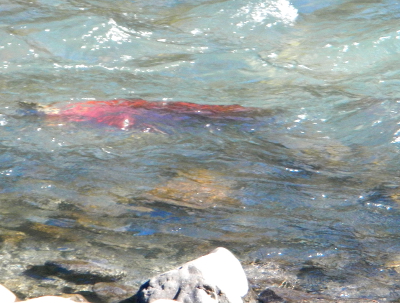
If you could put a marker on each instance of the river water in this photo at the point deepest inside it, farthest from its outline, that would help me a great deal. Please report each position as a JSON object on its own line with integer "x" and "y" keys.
{"x": 313, "y": 183}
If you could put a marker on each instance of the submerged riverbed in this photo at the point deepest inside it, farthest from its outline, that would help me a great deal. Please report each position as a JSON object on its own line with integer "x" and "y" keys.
{"x": 311, "y": 184}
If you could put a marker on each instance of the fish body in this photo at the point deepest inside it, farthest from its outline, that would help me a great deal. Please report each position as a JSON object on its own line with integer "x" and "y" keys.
{"x": 145, "y": 115}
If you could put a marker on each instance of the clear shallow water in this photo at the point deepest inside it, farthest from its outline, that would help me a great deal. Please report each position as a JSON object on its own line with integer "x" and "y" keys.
{"x": 314, "y": 181}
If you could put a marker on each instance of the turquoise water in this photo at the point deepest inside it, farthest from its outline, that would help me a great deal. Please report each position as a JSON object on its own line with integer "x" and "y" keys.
{"x": 314, "y": 181}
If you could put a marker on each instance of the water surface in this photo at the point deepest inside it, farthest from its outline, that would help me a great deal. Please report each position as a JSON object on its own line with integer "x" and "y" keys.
{"x": 315, "y": 182}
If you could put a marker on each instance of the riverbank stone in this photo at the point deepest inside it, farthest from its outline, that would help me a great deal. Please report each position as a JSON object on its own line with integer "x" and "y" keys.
{"x": 216, "y": 277}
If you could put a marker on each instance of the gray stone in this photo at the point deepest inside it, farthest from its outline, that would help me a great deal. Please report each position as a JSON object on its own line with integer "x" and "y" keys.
{"x": 213, "y": 278}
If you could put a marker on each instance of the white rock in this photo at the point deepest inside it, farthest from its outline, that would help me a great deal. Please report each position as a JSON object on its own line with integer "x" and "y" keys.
{"x": 6, "y": 296}
{"x": 222, "y": 269}
{"x": 214, "y": 278}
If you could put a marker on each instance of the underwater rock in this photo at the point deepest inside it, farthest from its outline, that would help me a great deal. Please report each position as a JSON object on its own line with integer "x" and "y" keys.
{"x": 84, "y": 271}
{"x": 216, "y": 277}
{"x": 11, "y": 237}
{"x": 112, "y": 292}
{"x": 77, "y": 271}
{"x": 288, "y": 295}
{"x": 394, "y": 263}
{"x": 269, "y": 296}
{"x": 199, "y": 188}
{"x": 53, "y": 232}
{"x": 272, "y": 273}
